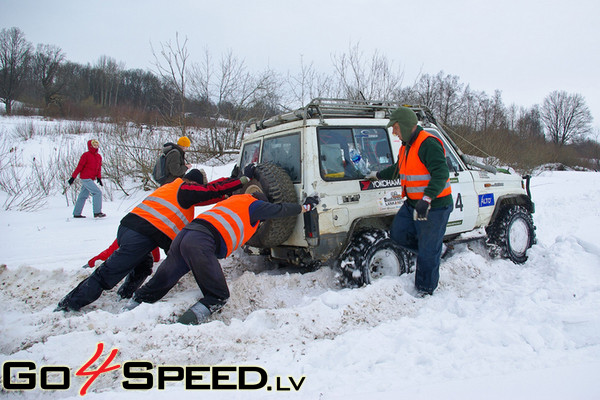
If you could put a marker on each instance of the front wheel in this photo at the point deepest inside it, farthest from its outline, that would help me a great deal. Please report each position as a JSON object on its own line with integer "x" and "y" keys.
{"x": 372, "y": 254}
{"x": 511, "y": 234}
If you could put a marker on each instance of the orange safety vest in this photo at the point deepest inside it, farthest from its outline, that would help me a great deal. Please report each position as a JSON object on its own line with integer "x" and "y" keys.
{"x": 414, "y": 176}
{"x": 163, "y": 211}
{"x": 231, "y": 217}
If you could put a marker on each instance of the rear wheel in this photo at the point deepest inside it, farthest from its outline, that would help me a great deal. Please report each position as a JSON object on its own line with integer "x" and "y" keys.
{"x": 372, "y": 255}
{"x": 276, "y": 184}
{"x": 511, "y": 234}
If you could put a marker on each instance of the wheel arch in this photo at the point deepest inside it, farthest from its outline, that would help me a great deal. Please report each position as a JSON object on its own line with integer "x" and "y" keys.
{"x": 512, "y": 199}
{"x": 381, "y": 222}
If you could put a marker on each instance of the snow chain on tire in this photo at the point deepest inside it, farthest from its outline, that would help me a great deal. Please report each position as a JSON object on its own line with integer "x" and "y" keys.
{"x": 355, "y": 262}
{"x": 513, "y": 221}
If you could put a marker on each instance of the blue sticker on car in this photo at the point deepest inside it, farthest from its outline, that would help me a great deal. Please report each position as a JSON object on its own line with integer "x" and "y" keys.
{"x": 486, "y": 200}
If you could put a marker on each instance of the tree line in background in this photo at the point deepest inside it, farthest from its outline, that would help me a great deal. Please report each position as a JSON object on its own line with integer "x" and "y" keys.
{"x": 220, "y": 96}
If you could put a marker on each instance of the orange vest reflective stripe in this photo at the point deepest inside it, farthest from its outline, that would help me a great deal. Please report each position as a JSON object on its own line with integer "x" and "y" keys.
{"x": 414, "y": 176}
{"x": 231, "y": 217}
{"x": 163, "y": 211}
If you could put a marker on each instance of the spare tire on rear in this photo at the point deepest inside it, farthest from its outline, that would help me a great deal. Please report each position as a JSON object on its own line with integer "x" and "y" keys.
{"x": 276, "y": 184}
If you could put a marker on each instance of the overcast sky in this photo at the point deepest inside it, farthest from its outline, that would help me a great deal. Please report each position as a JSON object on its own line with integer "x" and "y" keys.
{"x": 525, "y": 48}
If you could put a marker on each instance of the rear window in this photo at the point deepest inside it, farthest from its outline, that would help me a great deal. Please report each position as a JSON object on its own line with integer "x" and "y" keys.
{"x": 250, "y": 153}
{"x": 284, "y": 151}
{"x": 336, "y": 144}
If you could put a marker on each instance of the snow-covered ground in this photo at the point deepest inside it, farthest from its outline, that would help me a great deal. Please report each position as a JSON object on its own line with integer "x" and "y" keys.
{"x": 493, "y": 330}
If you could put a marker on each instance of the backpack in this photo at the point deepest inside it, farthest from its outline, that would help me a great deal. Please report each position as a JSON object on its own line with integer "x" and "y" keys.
{"x": 160, "y": 169}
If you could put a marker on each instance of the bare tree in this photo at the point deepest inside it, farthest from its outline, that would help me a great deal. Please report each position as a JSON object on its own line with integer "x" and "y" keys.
{"x": 108, "y": 81}
{"x": 171, "y": 66}
{"x": 442, "y": 94}
{"x": 202, "y": 77}
{"x": 306, "y": 85}
{"x": 360, "y": 79}
{"x": 47, "y": 61}
{"x": 566, "y": 117}
{"x": 450, "y": 97}
{"x": 513, "y": 112}
{"x": 15, "y": 55}
{"x": 499, "y": 120}
{"x": 493, "y": 114}
{"x": 470, "y": 112}
{"x": 236, "y": 94}
{"x": 529, "y": 123}
{"x": 427, "y": 91}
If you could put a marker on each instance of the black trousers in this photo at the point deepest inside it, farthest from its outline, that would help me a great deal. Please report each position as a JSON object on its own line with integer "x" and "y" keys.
{"x": 195, "y": 251}
{"x": 132, "y": 252}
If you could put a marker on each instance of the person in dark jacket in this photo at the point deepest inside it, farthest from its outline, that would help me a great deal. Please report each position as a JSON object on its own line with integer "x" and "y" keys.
{"x": 213, "y": 235}
{"x": 175, "y": 164}
{"x": 89, "y": 169}
{"x": 136, "y": 277}
{"x": 420, "y": 224}
{"x": 154, "y": 222}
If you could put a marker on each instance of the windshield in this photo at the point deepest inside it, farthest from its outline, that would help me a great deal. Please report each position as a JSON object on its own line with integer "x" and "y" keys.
{"x": 350, "y": 153}
{"x": 453, "y": 164}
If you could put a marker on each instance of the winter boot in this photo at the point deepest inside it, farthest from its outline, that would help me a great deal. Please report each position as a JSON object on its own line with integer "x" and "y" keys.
{"x": 131, "y": 304}
{"x": 196, "y": 314}
{"x": 63, "y": 305}
{"x": 99, "y": 215}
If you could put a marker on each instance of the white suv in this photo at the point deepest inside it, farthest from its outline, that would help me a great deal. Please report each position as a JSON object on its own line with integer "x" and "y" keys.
{"x": 313, "y": 150}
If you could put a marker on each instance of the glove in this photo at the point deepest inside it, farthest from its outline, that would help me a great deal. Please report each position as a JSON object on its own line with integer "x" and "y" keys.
{"x": 249, "y": 170}
{"x": 99, "y": 181}
{"x": 372, "y": 176}
{"x": 71, "y": 181}
{"x": 310, "y": 203}
{"x": 422, "y": 209}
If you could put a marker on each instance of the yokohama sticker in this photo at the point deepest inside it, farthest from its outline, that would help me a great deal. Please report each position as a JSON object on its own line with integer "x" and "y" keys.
{"x": 383, "y": 184}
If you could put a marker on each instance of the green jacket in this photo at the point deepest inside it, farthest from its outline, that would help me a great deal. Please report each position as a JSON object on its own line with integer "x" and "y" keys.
{"x": 432, "y": 156}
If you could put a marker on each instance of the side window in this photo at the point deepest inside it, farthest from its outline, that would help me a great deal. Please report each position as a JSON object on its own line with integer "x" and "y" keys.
{"x": 284, "y": 151}
{"x": 453, "y": 164}
{"x": 337, "y": 144}
{"x": 250, "y": 153}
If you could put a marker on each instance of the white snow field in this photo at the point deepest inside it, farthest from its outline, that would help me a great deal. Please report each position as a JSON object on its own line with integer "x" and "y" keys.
{"x": 492, "y": 330}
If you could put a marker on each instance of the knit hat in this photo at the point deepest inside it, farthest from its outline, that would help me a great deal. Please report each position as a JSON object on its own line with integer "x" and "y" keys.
{"x": 406, "y": 118}
{"x": 184, "y": 141}
{"x": 196, "y": 175}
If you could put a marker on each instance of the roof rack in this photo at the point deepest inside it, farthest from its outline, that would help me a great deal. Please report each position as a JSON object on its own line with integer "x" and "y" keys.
{"x": 340, "y": 108}
{"x": 344, "y": 108}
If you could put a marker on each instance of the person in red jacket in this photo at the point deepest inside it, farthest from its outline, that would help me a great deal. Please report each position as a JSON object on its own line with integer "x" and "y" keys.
{"x": 104, "y": 254}
{"x": 89, "y": 169}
